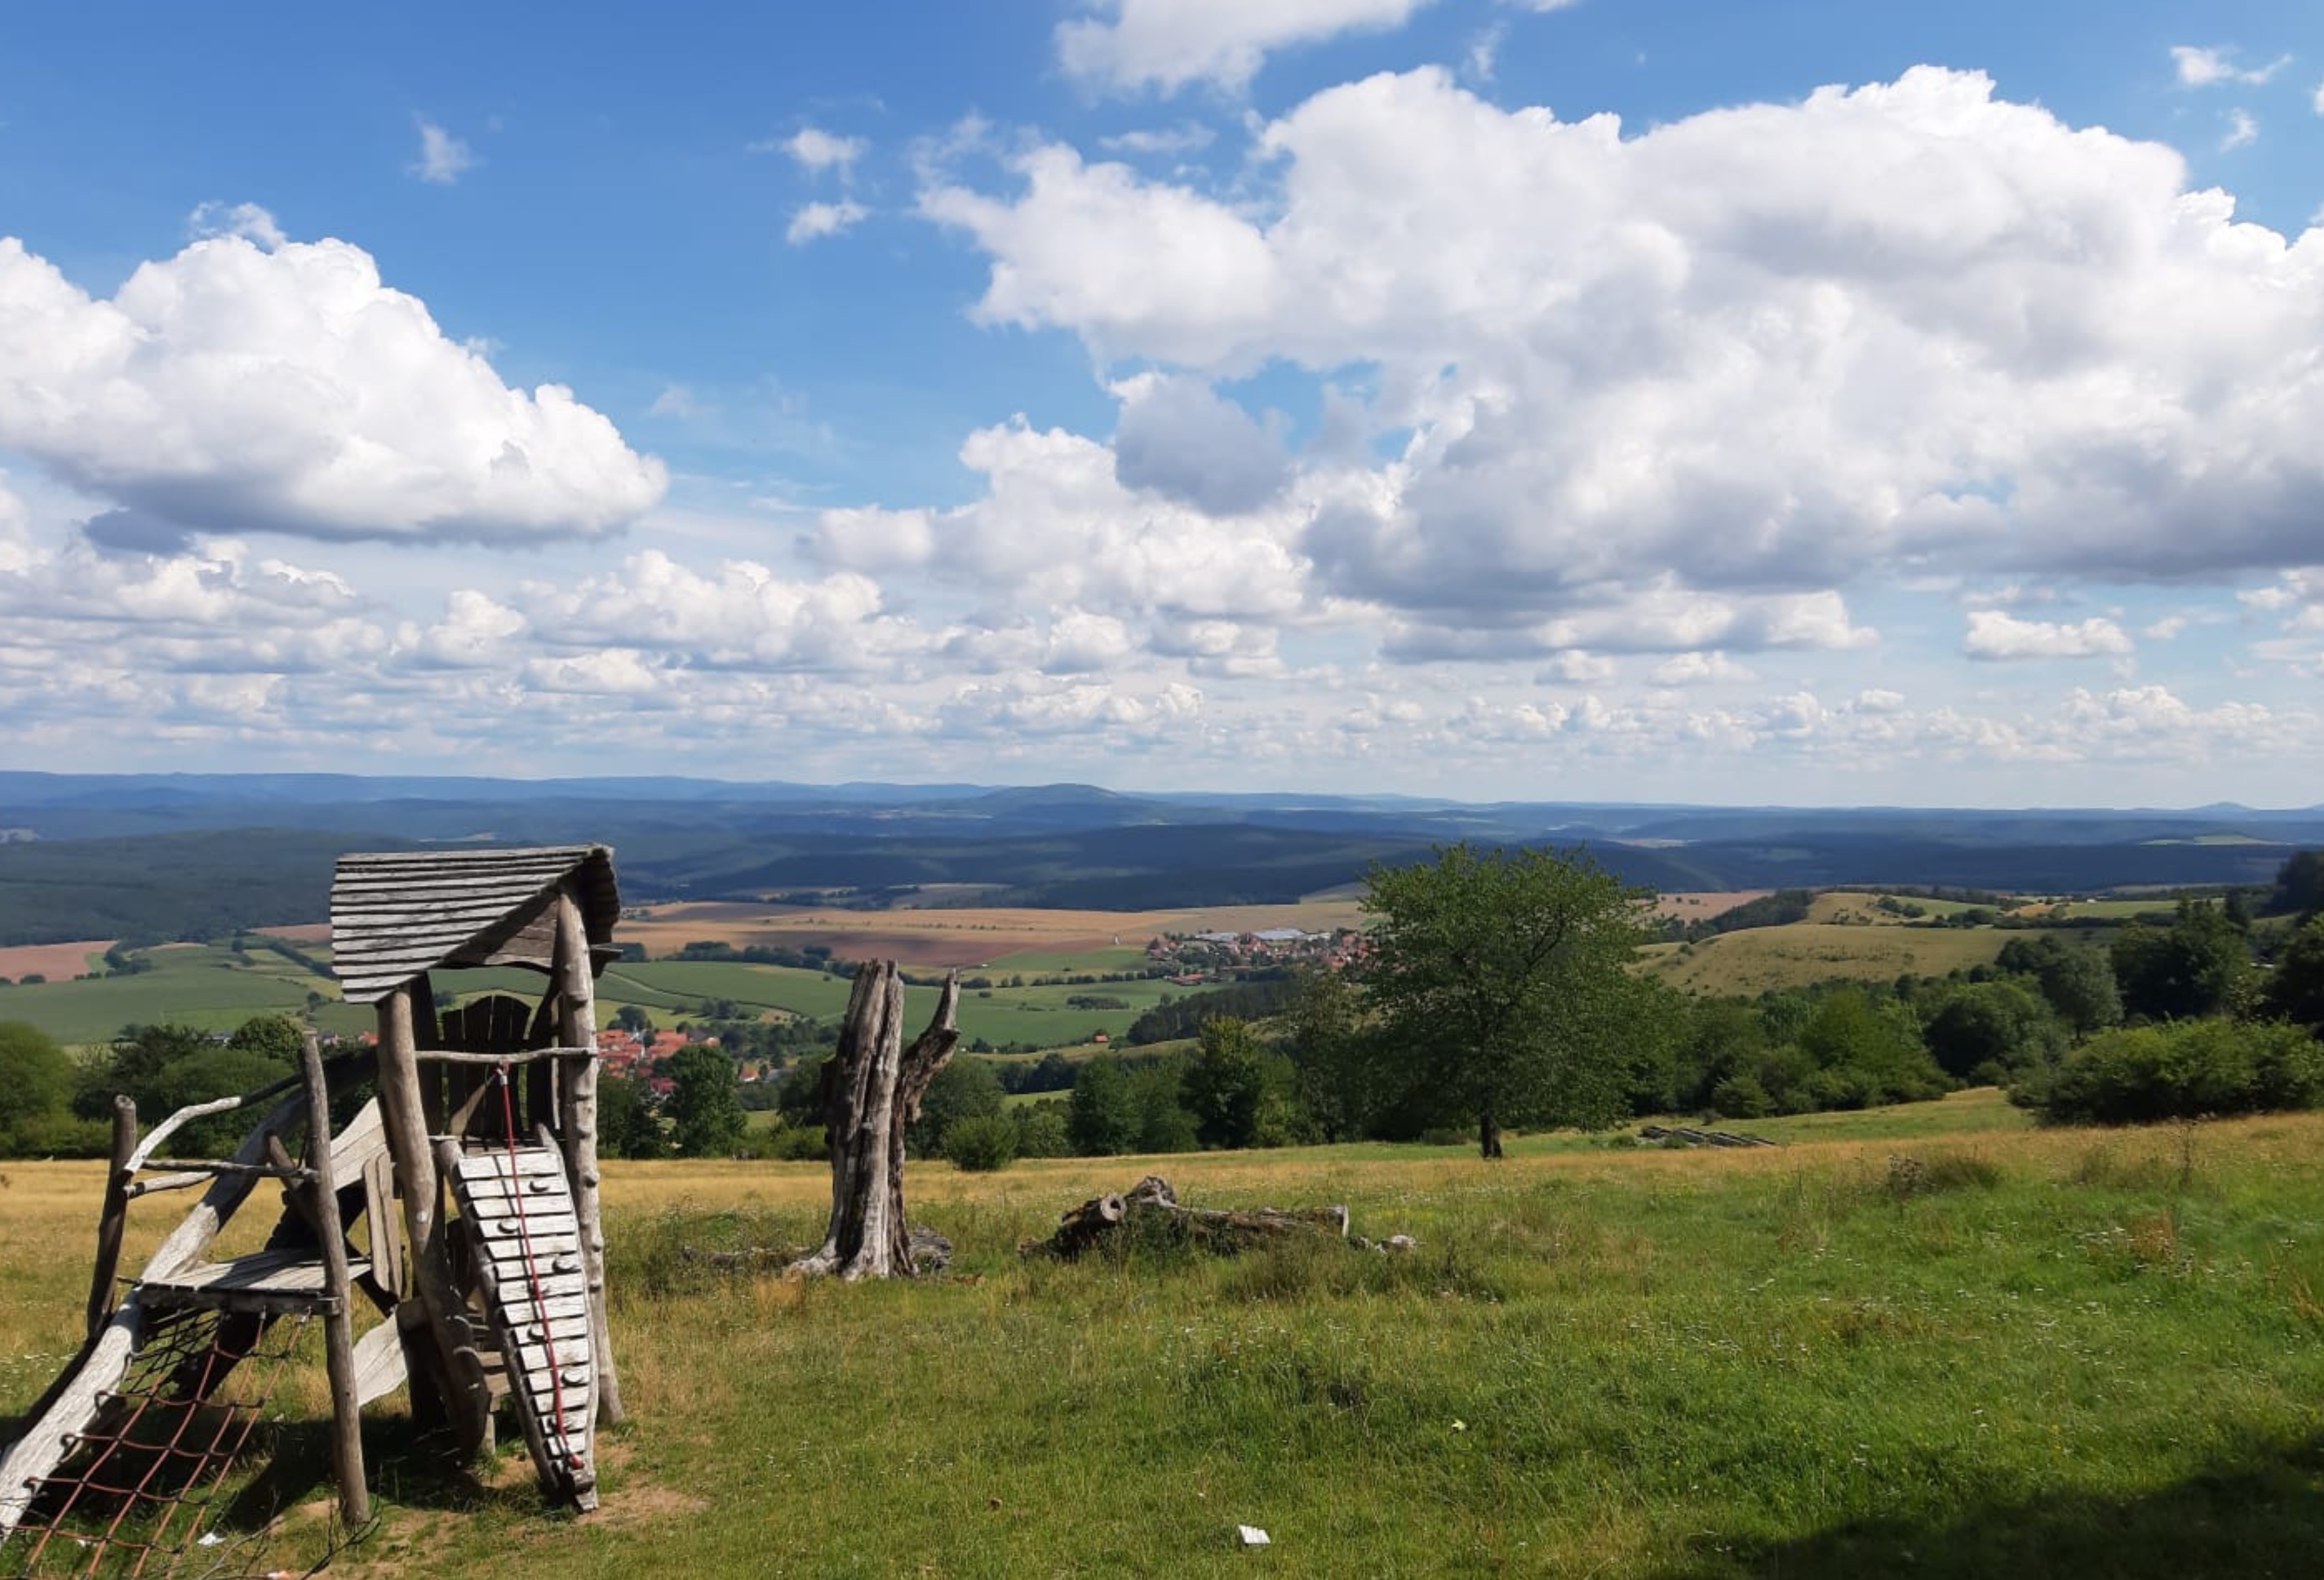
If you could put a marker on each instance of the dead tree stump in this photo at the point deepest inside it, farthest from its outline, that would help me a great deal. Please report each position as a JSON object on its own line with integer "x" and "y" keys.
{"x": 871, "y": 1092}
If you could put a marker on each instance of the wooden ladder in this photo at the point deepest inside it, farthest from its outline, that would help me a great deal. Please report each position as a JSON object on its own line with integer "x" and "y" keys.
{"x": 526, "y": 1236}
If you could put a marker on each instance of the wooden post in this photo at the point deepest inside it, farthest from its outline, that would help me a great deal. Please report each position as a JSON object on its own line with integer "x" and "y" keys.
{"x": 576, "y": 1084}
{"x": 423, "y": 1218}
{"x": 428, "y": 1033}
{"x": 113, "y": 1216}
{"x": 339, "y": 1319}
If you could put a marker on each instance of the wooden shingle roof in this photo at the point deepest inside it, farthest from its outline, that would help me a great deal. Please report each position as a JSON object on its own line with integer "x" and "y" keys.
{"x": 394, "y": 915}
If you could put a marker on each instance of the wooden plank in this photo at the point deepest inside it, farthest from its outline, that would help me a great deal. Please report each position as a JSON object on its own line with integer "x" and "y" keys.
{"x": 508, "y": 1252}
{"x": 364, "y": 1138}
{"x": 490, "y": 1164}
{"x": 388, "y": 1265}
{"x": 379, "y": 1363}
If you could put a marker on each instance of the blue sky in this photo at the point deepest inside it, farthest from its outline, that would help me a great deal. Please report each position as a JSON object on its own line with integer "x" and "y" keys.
{"x": 1813, "y": 402}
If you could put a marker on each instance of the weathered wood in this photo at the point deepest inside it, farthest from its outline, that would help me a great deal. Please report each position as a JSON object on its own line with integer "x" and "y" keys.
{"x": 543, "y": 1317}
{"x": 378, "y": 1363}
{"x": 423, "y": 1224}
{"x": 48, "y": 1437}
{"x": 113, "y": 1216}
{"x": 387, "y": 1263}
{"x": 488, "y": 1061}
{"x": 1688, "y": 1135}
{"x": 1151, "y": 1205}
{"x": 576, "y": 988}
{"x": 872, "y": 1094}
{"x": 395, "y": 915}
{"x": 338, "y": 1328}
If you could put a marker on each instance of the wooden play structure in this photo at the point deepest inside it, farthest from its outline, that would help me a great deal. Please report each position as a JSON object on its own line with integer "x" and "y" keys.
{"x": 457, "y": 1201}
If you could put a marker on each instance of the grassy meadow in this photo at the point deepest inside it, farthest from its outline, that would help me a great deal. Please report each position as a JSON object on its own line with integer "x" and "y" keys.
{"x": 1759, "y": 959}
{"x": 1924, "y": 1340}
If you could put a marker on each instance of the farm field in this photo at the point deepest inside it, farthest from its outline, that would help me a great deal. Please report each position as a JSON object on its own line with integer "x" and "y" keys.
{"x": 209, "y": 988}
{"x": 992, "y": 937}
{"x": 59, "y": 963}
{"x": 1761, "y": 958}
{"x": 1926, "y": 1340}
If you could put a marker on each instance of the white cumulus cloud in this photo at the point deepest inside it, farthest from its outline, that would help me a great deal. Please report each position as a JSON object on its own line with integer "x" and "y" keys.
{"x": 233, "y": 389}
{"x": 1995, "y": 635}
{"x": 1777, "y": 345}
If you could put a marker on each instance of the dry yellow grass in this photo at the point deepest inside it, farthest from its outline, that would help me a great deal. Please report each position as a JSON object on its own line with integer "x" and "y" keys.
{"x": 1700, "y": 905}
{"x": 1763, "y": 957}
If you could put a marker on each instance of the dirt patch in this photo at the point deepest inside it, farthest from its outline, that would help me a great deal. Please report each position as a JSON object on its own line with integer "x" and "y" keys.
{"x": 59, "y": 963}
{"x": 299, "y": 932}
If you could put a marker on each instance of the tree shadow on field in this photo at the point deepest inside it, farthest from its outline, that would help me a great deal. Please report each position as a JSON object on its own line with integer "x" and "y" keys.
{"x": 2259, "y": 1515}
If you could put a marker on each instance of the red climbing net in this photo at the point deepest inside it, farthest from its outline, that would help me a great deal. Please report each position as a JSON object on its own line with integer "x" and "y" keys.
{"x": 132, "y": 1496}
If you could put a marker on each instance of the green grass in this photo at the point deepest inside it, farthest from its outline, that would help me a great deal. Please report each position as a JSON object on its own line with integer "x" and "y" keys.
{"x": 1928, "y": 1342}
{"x": 1129, "y": 957}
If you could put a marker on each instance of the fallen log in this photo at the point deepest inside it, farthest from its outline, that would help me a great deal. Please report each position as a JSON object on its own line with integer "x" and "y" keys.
{"x": 1688, "y": 1135}
{"x": 1152, "y": 1208}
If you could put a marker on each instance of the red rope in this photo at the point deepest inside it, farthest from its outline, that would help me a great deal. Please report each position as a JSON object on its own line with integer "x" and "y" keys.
{"x": 532, "y": 1276}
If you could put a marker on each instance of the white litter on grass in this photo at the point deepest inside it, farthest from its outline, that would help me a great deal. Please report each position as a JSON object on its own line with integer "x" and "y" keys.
{"x": 211, "y": 1539}
{"x": 1251, "y": 1536}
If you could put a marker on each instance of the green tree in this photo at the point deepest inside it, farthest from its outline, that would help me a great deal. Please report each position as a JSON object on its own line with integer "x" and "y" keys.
{"x": 707, "y": 1115}
{"x": 1324, "y": 1038}
{"x": 36, "y": 1079}
{"x": 1041, "y": 1130}
{"x": 2079, "y": 984}
{"x": 1101, "y": 1119}
{"x": 633, "y": 1020}
{"x": 627, "y": 1119}
{"x": 270, "y": 1036}
{"x": 1866, "y": 1053}
{"x": 1225, "y": 1086}
{"x": 2190, "y": 969}
{"x": 2001, "y": 1025}
{"x": 1499, "y": 980}
{"x": 1164, "y": 1126}
{"x": 2295, "y": 987}
{"x": 965, "y": 1088}
{"x": 800, "y": 1098}
{"x": 2299, "y": 885}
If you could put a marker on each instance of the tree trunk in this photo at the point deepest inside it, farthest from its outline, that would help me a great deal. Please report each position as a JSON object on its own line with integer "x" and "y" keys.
{"x": 1489, "y": 1135}
{"x": 871, "y": 1092}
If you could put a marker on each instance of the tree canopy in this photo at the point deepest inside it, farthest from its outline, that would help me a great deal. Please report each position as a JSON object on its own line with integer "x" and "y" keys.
{"x": 1500, "y": 983}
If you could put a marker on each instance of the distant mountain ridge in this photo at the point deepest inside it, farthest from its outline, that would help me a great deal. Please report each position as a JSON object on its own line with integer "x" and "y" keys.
{"x": 152, "y": 856}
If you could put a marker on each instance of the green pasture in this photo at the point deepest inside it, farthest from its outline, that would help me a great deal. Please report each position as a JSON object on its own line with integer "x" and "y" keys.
{"x": 1129, "y": 957}
{"x": 1925, "y": 1341}
{"x": 197, "y": 985}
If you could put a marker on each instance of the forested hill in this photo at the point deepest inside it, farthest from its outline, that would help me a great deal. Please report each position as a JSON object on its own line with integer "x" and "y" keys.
{"x": 152, "y": 858}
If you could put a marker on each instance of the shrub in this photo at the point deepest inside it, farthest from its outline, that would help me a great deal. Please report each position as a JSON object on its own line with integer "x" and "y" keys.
{"x": 2150, "y": 1073}
{"x": 981, "y": 1144}
{"x": 1741, "y": 1097}
{"x": 797, "y": 1144}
